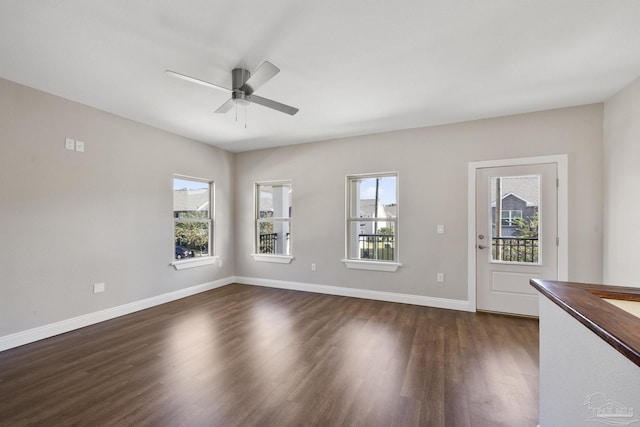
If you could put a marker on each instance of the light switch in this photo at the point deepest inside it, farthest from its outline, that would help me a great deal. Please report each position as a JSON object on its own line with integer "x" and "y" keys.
{"x": 440, "y": 229}
{"x": 69, "y": 144}
{"x": 80, "y": 146}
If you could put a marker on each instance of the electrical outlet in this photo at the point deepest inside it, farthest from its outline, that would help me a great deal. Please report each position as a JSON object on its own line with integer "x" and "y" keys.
{"x": 313, "y": 267}
{"x": 440, "y": 229}
{"x": 440, "y": 277}
{"x": 80, "y": 146}
{"x": 98, "y": 287}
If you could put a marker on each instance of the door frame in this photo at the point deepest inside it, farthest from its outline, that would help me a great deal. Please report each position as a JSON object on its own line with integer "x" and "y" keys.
{"x": 562, "y": 164}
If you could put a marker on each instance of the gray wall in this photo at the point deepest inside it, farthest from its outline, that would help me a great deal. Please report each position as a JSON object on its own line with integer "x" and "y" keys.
{"x": 432, "y": 164}
{"x": 69, "y": 219}
{"x": 621, "y": 187}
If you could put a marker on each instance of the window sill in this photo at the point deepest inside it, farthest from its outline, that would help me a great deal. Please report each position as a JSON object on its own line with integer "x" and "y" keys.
{"x": 194, "y": 262}
{"x": 371, "y": 265}
{"x": 280, "y": 259}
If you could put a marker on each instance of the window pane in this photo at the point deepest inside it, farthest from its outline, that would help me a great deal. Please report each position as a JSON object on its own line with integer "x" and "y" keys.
{"x": 274, "y": 237}
{"x": 373, "y": 197}
{"x": 510, "y": 217}
{"x": 372, "y": 240}
{"x": 274, "y": 201}
{"x": 192, "y": 239}
{"x": 515, "y": 204}
{"x": 191, "y": 199}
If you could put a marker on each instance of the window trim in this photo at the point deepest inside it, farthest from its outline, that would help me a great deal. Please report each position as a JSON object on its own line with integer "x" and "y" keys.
{"x": 211, "y": 258}
{"x": 194, "y": 262}
{"x": 373, "y": 264}
{"x": 278, "y": 259}
{"x": 272, "y": 258}
{"x": 509, "y": 221}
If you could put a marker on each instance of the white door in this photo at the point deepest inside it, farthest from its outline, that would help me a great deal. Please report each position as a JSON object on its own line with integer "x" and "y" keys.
{"x": 517, "y": 229}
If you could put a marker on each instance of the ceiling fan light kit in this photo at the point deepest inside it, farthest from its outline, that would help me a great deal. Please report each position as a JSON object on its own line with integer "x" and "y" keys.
{"x": 243, "y": 84}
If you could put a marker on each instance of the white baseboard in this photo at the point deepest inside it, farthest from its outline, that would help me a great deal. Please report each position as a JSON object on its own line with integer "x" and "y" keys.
{"x": 450, "y": 304}
{"x": 67, "y": 325}
{"x": 52, "y": 329}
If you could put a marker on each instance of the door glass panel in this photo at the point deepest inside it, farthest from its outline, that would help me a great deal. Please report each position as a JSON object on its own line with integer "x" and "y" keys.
{"x": 515, "y": 216}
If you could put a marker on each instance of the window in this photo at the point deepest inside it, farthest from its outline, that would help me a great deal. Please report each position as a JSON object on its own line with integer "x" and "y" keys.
{"x": 273, "y": 221}
{"x": 509, "y": 217}
{"x": 193, "y": 224}
{"x": 372, "y": 222}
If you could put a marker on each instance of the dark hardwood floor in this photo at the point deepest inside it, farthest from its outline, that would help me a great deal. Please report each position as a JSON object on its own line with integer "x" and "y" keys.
{"x": 250, "y": 356}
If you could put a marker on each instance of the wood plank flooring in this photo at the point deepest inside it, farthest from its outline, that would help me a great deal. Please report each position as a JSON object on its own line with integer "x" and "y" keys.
{"x": 249, "y": 356}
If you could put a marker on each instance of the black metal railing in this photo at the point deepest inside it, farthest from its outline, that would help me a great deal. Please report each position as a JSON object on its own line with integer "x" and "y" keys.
{"x": 267, "y": 243}
{"x": 514, "y": 249}
{"x": 377, "y": 246}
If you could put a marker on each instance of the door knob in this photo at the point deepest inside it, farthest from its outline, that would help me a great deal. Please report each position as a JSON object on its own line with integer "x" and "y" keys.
{"x": 481, "y": 247}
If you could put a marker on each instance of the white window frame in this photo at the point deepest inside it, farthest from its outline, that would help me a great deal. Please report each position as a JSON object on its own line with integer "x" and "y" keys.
{"x": 274, "y": 258}
{"x": 511, "y": 218}
{"x": 210, "y": 258}
{"x": 368, "y": 264}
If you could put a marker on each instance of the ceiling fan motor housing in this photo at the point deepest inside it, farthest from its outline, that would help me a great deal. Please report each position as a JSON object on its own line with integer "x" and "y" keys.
{"x": 239, "y": 77}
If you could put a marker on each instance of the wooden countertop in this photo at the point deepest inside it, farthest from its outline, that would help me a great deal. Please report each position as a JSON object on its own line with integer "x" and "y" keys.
{"x": 585, "y": 303}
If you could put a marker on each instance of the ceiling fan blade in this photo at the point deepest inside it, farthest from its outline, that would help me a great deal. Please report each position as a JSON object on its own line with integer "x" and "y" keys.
{"x": 263, "y": 74}
{"x": 197, "y": 81}
{"x": 273, "y": 105}
{"x": 225, "y": 107}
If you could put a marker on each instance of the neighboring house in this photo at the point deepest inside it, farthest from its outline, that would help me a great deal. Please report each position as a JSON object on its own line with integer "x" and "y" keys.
{"x": 185, "y": 201}
{"x": 367, "y": 210}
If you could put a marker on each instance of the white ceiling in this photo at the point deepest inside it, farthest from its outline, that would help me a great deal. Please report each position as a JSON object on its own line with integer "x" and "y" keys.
{"x": 352, "y": 66}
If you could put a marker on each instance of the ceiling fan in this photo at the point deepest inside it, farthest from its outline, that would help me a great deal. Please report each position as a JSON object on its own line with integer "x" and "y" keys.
{"x": 243, "y": 85}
